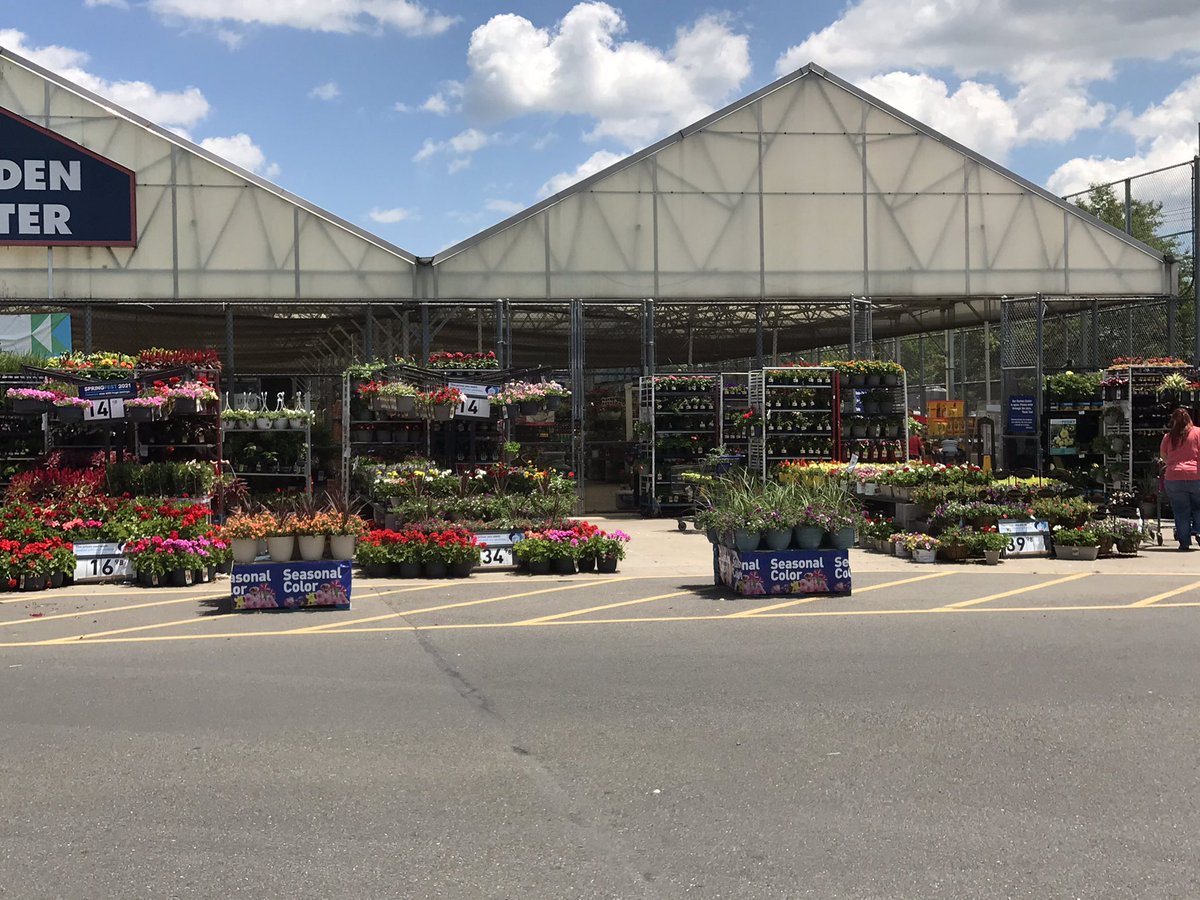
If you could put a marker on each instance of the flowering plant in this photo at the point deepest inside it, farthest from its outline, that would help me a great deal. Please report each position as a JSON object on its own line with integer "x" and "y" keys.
{"x": 317, "y": 523}
{"x": 1078, "y": 536}
{"x": 157, "y": 555}
{"x": 1157, "y": 362}
{"x": 915, "y": 541}
{"x": 369, "y": 389}
{"x": 250, "y": 526}
{"x": 449, "y": 360}
{"x": 94, "y": 365}
{"x": 152, "y": 402}
{"x": 453, "y": 545}
{"x": 33, "y": 394}
{"x": 200, "y": 391}
{"x": 608, "y": 544}
{"x": 158, "y": 358}
{"x": 78, "y": 402}
{"x": 444, "y": 396}
{"x": 394, "y": 389}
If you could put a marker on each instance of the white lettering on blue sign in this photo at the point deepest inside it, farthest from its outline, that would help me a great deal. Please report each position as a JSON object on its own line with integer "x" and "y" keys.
{"x": 35, "y": 218}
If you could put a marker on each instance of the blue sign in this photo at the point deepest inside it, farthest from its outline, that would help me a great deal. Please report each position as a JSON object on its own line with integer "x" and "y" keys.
{"x": 294, "y": 585}
{"x": 795, "y": 572}
{"x": 56, "y": 193}
{"x": 124, "y": 389}
{"x": 1021, "y": 415}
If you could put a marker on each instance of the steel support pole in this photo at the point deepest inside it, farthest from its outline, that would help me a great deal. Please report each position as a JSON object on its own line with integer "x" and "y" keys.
{"x": 853, "y": 348}
{"x": 1037, "y": 380}
{"x": 1129, "y": 206}
{"x": 949, "y": 373}
{"x": 648, "y": 318}
{"x": 424, "y": 334}
{"x": 1195, "y": 259}
{"x": 1095, "y": 335}
{"x": 987, "y": 364}
{"x": 578, "y": 425}
{"x": 1172, "y": 311}
{"x": 921, "y": 365}
{"x": 87, "y": 329}
{"x": 498, "y": 312}
{"x": 369, "y": 335}
{"x": 758, "y": 336}
{"x": 229, "y": 360}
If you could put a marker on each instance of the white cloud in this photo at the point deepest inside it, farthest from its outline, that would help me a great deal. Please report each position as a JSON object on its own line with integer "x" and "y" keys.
{"x": 343, "y": 16}
{"x": 327, "y": 91}
{"x": 1165, "y": 134}
{"x": 507, "y": 207}
{"x": 400, "y": 107}
{"x": 462, "y": 146}
{"x": 634, "y": 92}
{"x": 171, "y": 109}
{"x": 601, "y": 159}
{"x": 240, "y": 150}
{"x": 389, "y": 216}
{"x": 436, "y": 104}
{"x": 1050, "y": 50}
{"x": 115, "y": 4}
{"x": 231, "y": 39}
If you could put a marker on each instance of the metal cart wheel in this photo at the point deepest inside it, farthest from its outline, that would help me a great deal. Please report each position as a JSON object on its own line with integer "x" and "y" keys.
{"x": 682, "y": 524}
{"x": 1158, "y": 537}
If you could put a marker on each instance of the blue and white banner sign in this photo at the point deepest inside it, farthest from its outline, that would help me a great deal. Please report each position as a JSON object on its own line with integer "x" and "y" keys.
{"x": 56, "y": 193}
{"x": 797, "y": 572}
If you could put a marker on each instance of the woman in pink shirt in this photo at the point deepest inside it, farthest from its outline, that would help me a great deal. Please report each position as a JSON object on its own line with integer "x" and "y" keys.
{"x": 1180, "y": 451}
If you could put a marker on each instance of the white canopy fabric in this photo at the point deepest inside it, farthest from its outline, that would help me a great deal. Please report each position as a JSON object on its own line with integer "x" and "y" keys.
{"x": 806, "y": 189}
{"x": 207, "y": 229}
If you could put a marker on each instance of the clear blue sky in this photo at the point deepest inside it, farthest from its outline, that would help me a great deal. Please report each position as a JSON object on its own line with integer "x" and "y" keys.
{"x": 427, "y": 123}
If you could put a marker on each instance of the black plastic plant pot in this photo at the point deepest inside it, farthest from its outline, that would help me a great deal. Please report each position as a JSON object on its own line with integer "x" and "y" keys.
{"x": 140, "y": 413}
{"x": 68, "y": 413}
{"x": 25, "y": 407}
{"x": 184, "y": 406}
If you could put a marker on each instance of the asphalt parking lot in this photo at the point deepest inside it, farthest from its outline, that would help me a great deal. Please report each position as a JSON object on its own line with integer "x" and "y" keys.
{"x": 943, "y": 732}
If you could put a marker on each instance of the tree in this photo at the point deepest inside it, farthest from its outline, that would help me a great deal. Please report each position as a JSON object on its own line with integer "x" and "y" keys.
{"x": 1145, "y": 222}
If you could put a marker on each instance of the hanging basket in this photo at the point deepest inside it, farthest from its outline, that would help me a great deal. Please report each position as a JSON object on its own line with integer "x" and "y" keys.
{"x": 183, "y": 406}
{"x": 149, "y": 414}
{"x": 23, "y": 407}
{"x": 67, "y": 413}
{"x": 442, "y": 413}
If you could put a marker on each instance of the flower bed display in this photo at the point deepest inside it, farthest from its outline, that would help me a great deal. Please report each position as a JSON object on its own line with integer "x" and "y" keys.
{"x": 413, "y": 552}
{"x": 451, "y": 360}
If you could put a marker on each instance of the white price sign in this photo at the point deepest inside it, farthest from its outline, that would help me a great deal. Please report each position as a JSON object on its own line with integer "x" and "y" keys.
{"x": 1025, "y": 537}
{"x": 100, "y": 562}
{"x": 498, "y": 552}
{"x": 474, "y": 408}
{"x": 108, "y": 408}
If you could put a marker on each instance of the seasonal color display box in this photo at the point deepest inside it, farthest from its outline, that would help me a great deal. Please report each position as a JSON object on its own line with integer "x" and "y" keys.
{"x": 793, "y": 572}
{"x": 291, "y": 586}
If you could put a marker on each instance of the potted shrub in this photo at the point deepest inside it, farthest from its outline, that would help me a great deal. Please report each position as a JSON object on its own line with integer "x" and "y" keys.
{"x": 146, "y": 409}
{"x": 375, "y": 552}
{"x": 554, "y": 394}
{"x": 31, "y": 401}
{"x": 610, "y": 549}
{"x": 923, "y": 547}
{"x": 346, "y": 523}
{"x": 536, "y": 551}
{"x": 438, "y": 404}
{"x": 70, "y": 409}
{"x": 244, "y": 531}
{"x": 1127, "y": 536}
{"x": 1077, "y": 542}
{"x": 396, "y": 397}
{"x": 408, "y": 550}
{"x": 839, "y": 524}
{"x": 281, "y": 539}
{"x": 458, "y": 549}
{"x": 956, "y": 543}
{"x": 312, "y": 530}
{"x": 990, "y": 544}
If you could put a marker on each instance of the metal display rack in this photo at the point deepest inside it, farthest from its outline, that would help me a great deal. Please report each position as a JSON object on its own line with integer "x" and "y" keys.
{"x": 735, "y": 403}
{"x": 678, "y": 423}
{"x": 1135, "y": 419}
{"x": 873, "y": 424}
{"x": 265, "y": 480}
{"x": 798, "y": 408}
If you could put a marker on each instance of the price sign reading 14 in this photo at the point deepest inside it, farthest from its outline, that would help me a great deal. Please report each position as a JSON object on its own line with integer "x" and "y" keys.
{"x": 108, "y": 408}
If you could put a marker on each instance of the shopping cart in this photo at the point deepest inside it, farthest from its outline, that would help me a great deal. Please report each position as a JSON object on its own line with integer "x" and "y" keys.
{"x": 706, "y": 472}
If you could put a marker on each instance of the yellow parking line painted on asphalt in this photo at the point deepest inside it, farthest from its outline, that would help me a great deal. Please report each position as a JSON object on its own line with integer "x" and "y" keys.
{"x": 580, "y": 612}
{"x": 963, "y": 604}
{"x": 745, "y": 614}
{"x": 66, "y": 595}
{"x": 105, "y": 609}
{"x": 429, "y": 609}
{"x": 483, "y": 626}
{"x": 1150, "y": 601}
{"x": 99, "y": 634}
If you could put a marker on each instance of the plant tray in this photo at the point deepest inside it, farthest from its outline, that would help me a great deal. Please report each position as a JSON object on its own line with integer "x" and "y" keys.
{"x": 793, "y": 572}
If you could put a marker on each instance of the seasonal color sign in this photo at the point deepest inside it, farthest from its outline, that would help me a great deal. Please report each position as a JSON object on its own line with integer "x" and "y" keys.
{"x": 294, "y": 585}
{"x": 796, "y": 572}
